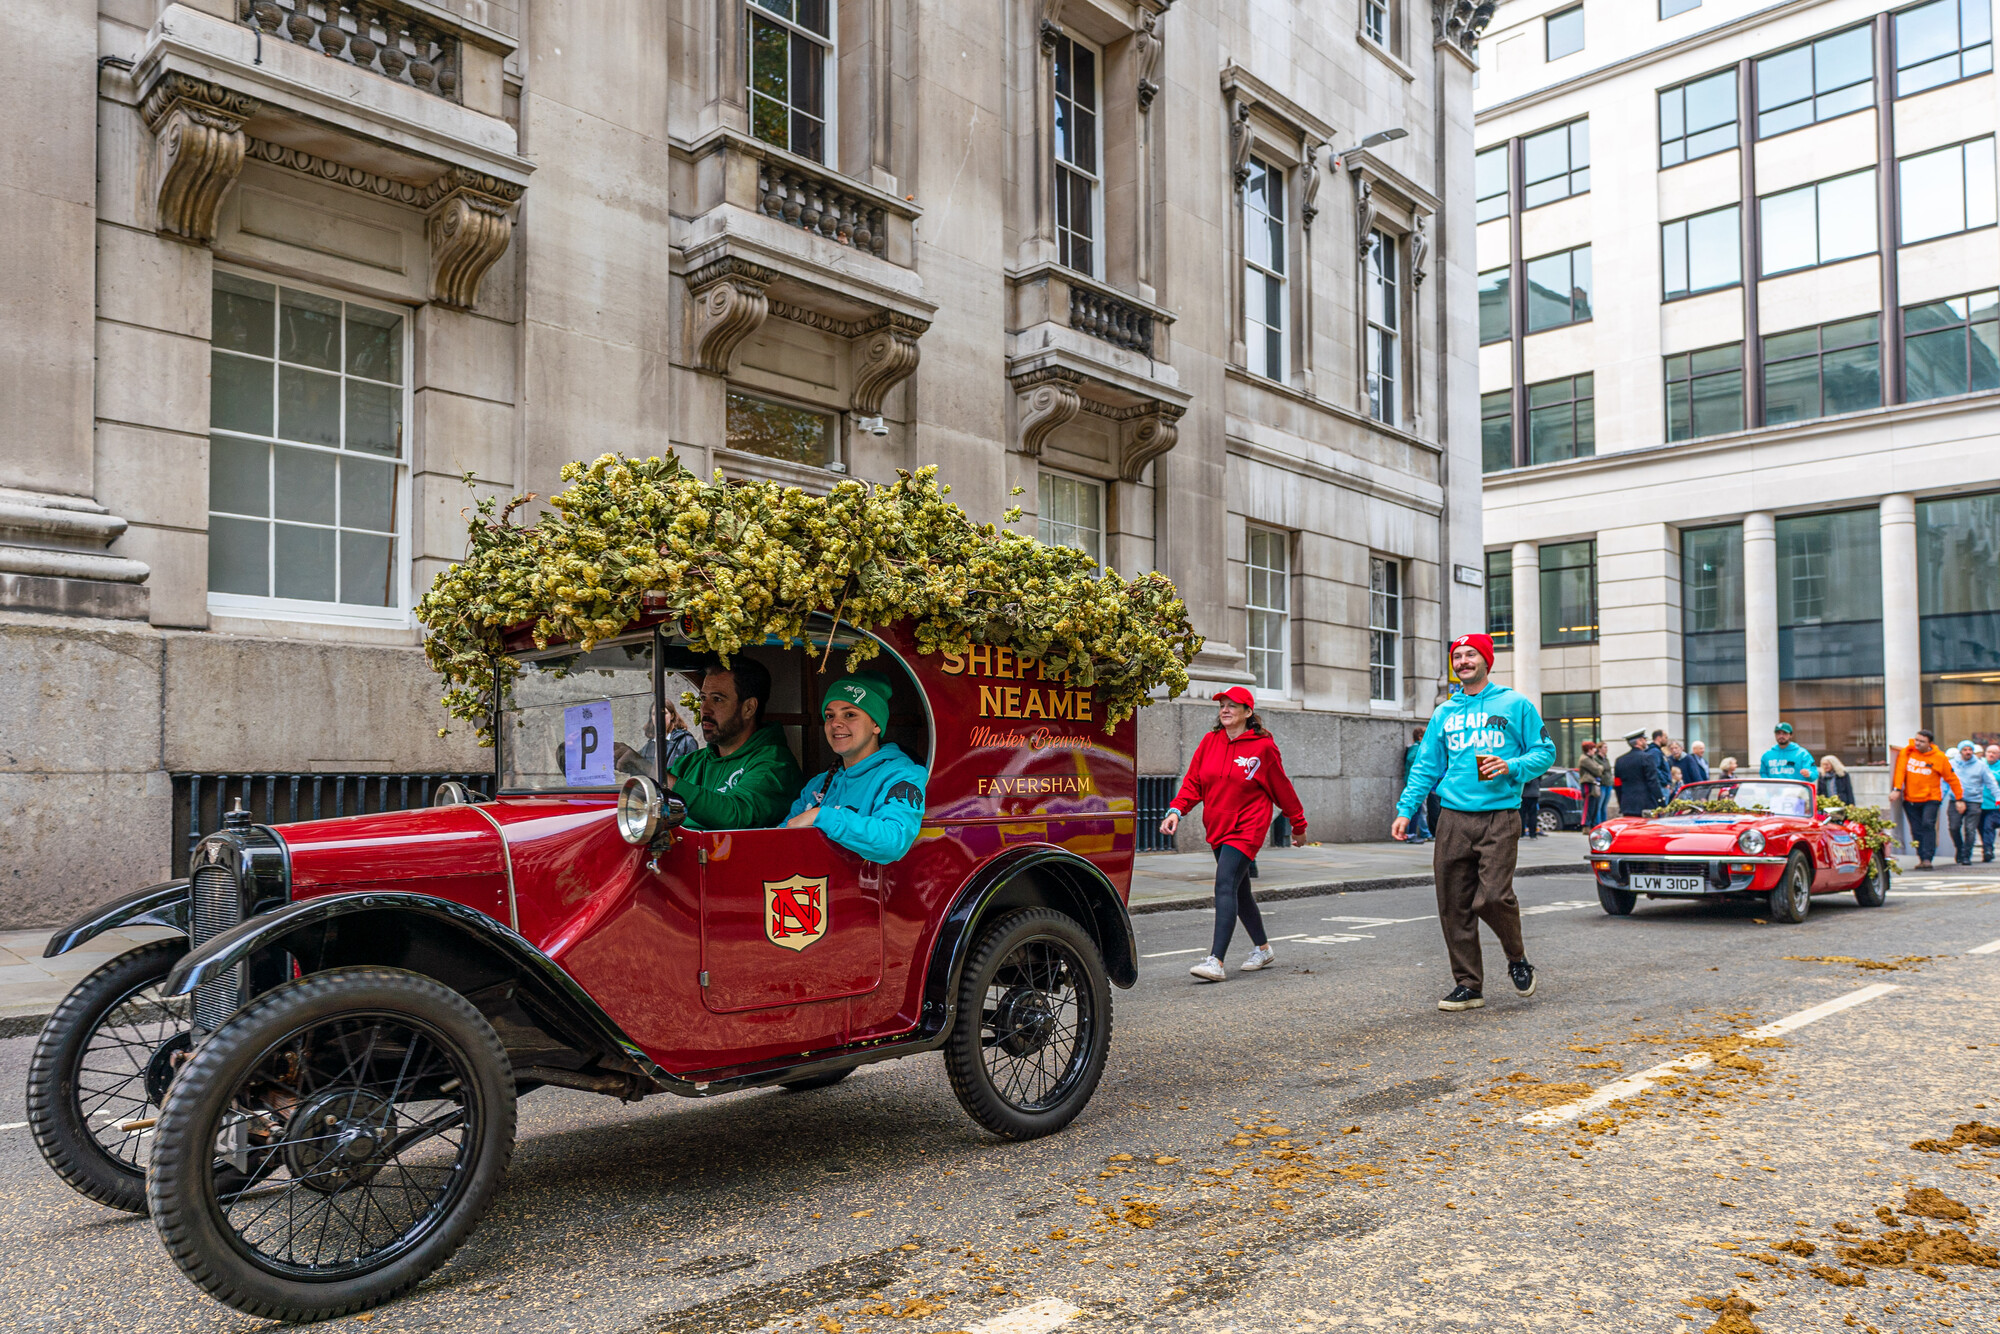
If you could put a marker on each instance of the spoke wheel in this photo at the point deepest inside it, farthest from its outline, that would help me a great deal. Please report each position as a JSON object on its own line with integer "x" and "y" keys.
{"x": 103, "y": 1062}
{"x": 1033, "y": 1026}
{"x": 1792, "y": 899}
{"x": 332, "y": 1144}
{"x": 1548, "y": 819}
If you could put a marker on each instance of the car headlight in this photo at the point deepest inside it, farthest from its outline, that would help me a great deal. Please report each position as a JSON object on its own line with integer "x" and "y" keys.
{"x": 1751, "y": 841}
{"x": 1601, "y": 838}
{"x": 639, "y": 809}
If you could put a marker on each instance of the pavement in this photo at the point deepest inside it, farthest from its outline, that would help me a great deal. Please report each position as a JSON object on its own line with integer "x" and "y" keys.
{"x": 1702, "y": 1120}
{"x": 30, "y": 986}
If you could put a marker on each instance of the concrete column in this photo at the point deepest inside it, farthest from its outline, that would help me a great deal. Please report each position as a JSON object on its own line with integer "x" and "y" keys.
{"x": 1639, "y": 661}
{"x": 1760, "y": 628}
{"x": 1902, "y": 666}
{"x": 1528, "y": 621}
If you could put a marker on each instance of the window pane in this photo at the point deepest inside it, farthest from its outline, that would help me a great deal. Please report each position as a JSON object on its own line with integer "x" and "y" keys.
{"x": 1717, "y": 359}
{"x": 1934, "y": 364}
{"x": 1926, "y": 32}
{"x": 309, "y": 330}
{"x": 1791, "y": 390}
{"x": 1669, "y": 8}
{"x": 1551, "y": 434}
{"x": 1843, "y": 59}
{"x": 1496, "y": 431}
{"x": 1545, "y": 155}
{"x": 1548, "y": 292}
{"x": 1490, "y": 181}
{"x": 779, "y": 431}
{"x": 366, "y": 569}
{"x": 1847, "y": 217}
{"x": 245, "y": 315}
{"x": 239, "y": 393}
{"x": 239, "y": 557}
{"x": 1565, "y": 33}
{"x": 1784, "y": 78}
{"x": 374, "y": 418}
{"x": 1788, "y": 228}
{"x": 770, "y": 62}
{"x": 375, "y": 344}
{"x": 1711, "y": 102}
{"x": 303, "y": 561}
{"x": 1718, "y": 403}
{"x": 1715, "y": 254}
{"x": 1848, "y": 332}
{"x": 1673, "y": 123}
{"x": 1853, "y": 379}
{"x": 1674, "y": 257}
{"x": 1778, "y": 347}
{"x": 1712, "y": 579}
{"x": 367, "y": 494}
{"x": 303, "y": 486}
{"x": 1680, "y": 421}
{"x": 1496, "y": 314}
{"x": 308, "y": 406}
{"x": 1979, "y": 189}
{"x": 1581, "y": 283}
{"x": 1931, "y": 189}
{"x": 239, "y": 476}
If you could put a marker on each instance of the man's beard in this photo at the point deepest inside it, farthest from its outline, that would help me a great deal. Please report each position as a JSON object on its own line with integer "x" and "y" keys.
{"x": 721, "y": 733}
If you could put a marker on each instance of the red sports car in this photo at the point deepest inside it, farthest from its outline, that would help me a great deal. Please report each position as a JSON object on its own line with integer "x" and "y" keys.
{"x": 1781, "y": 849}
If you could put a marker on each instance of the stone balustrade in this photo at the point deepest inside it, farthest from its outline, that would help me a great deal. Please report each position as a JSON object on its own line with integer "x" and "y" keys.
{"x": 819, "y": 203}
{"x": 1119, "y": 323}
{"x": 398, "y": 41}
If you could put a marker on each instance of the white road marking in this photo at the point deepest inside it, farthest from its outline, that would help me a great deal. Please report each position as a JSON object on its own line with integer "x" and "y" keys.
{"x": 1990, "y": 947}
{"x": 1040, "y": 1318}
{"x": 1366, "y": 922}
{"x": 1168, "y": 954}
{"x": 1939, "y": 893}
{"x": 13, "y": 1125}
{"x": 1566, "y": 905}
{"x": 1330, "y": 940}
{"x": 1640, "y": 1082}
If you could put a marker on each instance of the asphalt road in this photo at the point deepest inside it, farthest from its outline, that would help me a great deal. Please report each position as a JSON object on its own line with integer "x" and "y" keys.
{"x": 1312, "y": 1147}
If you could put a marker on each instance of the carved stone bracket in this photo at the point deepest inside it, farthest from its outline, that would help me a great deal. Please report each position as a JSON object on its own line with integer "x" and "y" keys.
{"x": 1364, "y": 216}
{"x": 198, "y": 132}
{"x": 1309, "y": 184}
{"x": 469, "y": 227}
{"x": 1148, "y": 437}
{"x": 1051, "y": 26}
{"x": 1146, "y": 46}
{"x": 1460, "y": 22}
{"x": 730, "y": 305}
{"x": 883, "y": 360}
{"x": 1420, "y": 251}
{"x": 1240, "y": 139}
{"x": 1048, "y": 398}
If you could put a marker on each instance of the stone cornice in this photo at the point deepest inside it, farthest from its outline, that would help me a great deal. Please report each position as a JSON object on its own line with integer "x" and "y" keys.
{"x": 399, "y": 192}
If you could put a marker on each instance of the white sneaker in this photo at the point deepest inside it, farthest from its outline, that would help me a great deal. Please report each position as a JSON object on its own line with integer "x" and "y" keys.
{"x": 1210, "y": 970}
{"x": 1261, "y": 957}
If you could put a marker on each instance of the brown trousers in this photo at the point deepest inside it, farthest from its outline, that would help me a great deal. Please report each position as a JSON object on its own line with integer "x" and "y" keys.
{"x": 1473, "y": 859}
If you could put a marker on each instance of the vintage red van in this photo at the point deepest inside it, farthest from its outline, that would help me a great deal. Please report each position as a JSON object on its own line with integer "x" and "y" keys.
{"x": 313, "y": 1089}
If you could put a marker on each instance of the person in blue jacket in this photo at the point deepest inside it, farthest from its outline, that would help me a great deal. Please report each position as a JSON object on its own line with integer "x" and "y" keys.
{"x": 1481, "y": 747}
{"x": 872, "y": 804}
{"x": 1787, "y": 758}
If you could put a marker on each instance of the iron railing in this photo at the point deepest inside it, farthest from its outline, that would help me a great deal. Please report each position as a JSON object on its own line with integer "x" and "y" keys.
{"x": 1155, "y": 791}
{"x": 201, "y": 799}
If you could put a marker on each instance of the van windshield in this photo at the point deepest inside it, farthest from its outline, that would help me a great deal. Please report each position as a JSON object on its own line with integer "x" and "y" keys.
{"x": 581, "y": 720}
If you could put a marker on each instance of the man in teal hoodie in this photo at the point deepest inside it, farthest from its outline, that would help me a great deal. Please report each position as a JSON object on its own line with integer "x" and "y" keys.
{"x": 1481, "y": 747}
{"x": 873, "y": 803}
{"x": 1787, "y": 758}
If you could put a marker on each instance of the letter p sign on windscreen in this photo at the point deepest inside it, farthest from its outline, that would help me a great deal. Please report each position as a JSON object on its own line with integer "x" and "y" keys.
{"x": 587, "y": 758}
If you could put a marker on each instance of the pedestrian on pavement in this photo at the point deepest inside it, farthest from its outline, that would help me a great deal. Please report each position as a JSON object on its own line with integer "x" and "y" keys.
{"x": 1677, "y": 766}
{"x": 1695, "y": 766}
{"x": 1238, "y": 774}
{"x": 1423, "y": 830}
{"x": 1596, "y": 779}
{"x": 1787, "y": 758}
{"x": 1480, "y": 747}
{"x": 1833, "y": 780}
{"x": 1727, "y": 769}
{"x": 1637, "y": 778}
{"x": 1976, "y": 784}
{"x": 1666, "y": 766}
{"x": 1531, "y": 808}
{"x": 1921, "y": 775}
{"x": 1989, "y": 807}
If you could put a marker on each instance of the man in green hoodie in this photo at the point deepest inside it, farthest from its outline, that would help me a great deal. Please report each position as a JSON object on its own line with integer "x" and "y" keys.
{"x": 746, "y": 776}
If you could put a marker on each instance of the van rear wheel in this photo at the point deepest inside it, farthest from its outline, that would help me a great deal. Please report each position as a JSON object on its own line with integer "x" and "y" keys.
{"x": 1033, "y": 1026}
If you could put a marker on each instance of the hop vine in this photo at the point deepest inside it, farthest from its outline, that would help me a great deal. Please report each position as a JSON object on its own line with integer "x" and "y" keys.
{"x": 737, "y": 562}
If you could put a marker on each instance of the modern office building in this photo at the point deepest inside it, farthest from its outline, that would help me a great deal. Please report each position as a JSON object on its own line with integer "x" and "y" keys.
{"x": 283, "y": 275}
{"x": 1740, "y": 368}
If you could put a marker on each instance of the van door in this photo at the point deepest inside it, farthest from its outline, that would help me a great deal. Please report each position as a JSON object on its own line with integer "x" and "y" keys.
{"x": 787, "y": 916}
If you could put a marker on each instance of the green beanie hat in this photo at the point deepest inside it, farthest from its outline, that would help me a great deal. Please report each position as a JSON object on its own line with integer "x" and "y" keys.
{"x": 866, "y": 691}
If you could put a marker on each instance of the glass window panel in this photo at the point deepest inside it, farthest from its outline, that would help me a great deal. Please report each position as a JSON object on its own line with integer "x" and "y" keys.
{"x": 1984, "y": 355}
{"x": 1980, "y": 199}
{"x": 769, "y": 121}
{"x": 304, "y": 563}
{"x": 1934, "y": 315}
{"x": 309, "y": 330}
{"x": 1718, "y": 359}
{"x": 308, "y": 406}
{"x": 1549, "y": 293}
{"x": 1715, "y": 250}
{"x": 1565, "y": 33}
{"x": 1669, "y": 8}
{"x": 1545, "y": 155}
{"x": 375, "y": 344}
{"x": 1842, "y": 60}
{"x": 367, "y": 494}
{"x": 779, "y": 431}
{"x": 1785, "y": 78}
{"x": 770, "y": 59}
{"x": 245, "y": 315}
{"x": 239, "y": 393}
{"x": 1496, "y": 430}
{"x": 1927, "y": 32}
{"x": 1931, "y": 194}
{"x": 1673, "y": 117}
{"x": 1934, "y": 365}
{"x": 1712, "y": 579}
{"x": 239, "y": 476}
{"x": 812, "y": 14}
{"x": 1789, "y": 224}
{"x": 367, "y": 568}
{"x": 1674, "y": 257}
{"x": 1490, "y": 180}
{"x": 1958, "y": 556}
{"x": 239, "y": 556}
{"x": 1849, "y": 332}
{"x": 1680, "y": 413}
{"x": 1853, "y": 379}
{"x": 303, "y": 486}
{"x": 1711, "y": 102}
{"x": 1551, "y": 434}
{"x": 1847, "y": 217}
{"x": 1778, "y": 347}
{"x": 1718, "y": 403}
{"x": 1791, "y": 390}
{"x": 374, "y": 418}
{"x": 1496, "y": 312}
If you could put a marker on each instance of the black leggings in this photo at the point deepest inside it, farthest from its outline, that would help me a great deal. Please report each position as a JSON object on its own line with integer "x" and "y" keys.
{"x": 1233, "y": 899}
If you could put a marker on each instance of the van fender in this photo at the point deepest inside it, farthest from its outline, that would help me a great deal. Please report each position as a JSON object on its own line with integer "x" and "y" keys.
{"x": 463, "y": 948}
{"x": 1032, "y": 876}
{"x": 169, "y": 904}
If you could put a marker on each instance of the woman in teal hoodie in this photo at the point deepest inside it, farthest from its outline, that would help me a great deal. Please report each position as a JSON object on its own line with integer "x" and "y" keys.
{"x": 872, "y": 804}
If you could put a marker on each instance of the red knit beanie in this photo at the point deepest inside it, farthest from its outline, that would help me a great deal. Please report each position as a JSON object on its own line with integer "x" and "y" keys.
{"x": 1483, "y": 644}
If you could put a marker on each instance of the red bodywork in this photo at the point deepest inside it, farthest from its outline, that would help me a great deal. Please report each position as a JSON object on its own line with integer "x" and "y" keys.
{"x": 694, "y": 949}
{"x": 1710, "y": 845}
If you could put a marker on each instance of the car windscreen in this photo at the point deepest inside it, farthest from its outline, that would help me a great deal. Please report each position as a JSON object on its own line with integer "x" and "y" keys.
{"x": 581, "y": 720}
{"x": 1777, "y": 798}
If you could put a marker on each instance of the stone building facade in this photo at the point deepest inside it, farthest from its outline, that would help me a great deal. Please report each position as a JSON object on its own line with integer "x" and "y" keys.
{"x": 292, "y": 282}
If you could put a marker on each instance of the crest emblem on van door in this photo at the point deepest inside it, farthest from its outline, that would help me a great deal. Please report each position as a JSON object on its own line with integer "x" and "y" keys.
{"x": 795, "y": 911}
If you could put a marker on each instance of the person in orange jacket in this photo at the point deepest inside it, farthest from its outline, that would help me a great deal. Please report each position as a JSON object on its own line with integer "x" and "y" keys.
{"x": 1921, "y": 774}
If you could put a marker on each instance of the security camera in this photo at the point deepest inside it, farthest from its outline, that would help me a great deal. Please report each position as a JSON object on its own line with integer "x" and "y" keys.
{"x": 872, "y": 425}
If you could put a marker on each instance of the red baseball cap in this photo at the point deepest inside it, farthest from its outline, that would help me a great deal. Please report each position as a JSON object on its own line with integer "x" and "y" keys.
{"x": 1238, "y": 695}
{"x": 1482, "y": 644}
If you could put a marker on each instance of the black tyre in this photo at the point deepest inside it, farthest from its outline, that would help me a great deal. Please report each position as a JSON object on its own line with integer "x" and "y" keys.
{"x": 332, "y": 1144}
{"x": 1617, "y": 902}
{"x": 102, "y": 1063}
{"x": 1033, "y": 1026}
{"x": 1873, "y": 891}
{"x": 1792, "y": 899}
{"x": 825, "y": 1081}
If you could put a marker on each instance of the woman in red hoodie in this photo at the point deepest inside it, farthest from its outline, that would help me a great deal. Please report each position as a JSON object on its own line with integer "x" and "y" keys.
{"x": 1238, "y": 773}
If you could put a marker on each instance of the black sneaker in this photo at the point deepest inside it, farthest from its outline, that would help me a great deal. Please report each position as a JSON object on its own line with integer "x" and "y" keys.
{"x": 1462, "y": 998}
{"x": 1523, "y": 974}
